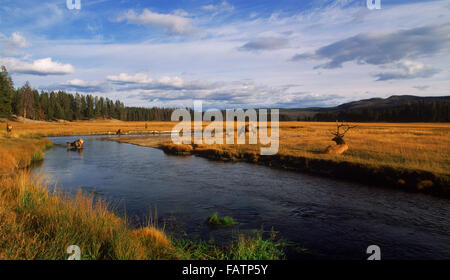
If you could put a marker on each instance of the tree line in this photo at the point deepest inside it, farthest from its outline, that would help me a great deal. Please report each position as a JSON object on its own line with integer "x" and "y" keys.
{"x": 32, "y": 104}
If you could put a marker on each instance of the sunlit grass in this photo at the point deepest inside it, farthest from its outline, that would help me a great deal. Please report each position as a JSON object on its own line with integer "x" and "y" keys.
{"x": 415, "y": 146}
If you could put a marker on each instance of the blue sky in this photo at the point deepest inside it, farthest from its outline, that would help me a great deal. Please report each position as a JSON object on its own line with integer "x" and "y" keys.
{"x": 229, "y": 54}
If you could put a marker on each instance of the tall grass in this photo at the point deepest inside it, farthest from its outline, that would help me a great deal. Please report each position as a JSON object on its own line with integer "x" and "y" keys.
{"x": 38, "y": 224}
{"x": 418, "y": 146}
{"x": 414, "y": 146}
{"x": 243, "y": 247}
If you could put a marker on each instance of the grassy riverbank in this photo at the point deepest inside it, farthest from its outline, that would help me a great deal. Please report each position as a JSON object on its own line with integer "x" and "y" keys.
{"x": 412, "y": 157}
{"x": 39, "y": 222}
{"x": 409, "y": 156}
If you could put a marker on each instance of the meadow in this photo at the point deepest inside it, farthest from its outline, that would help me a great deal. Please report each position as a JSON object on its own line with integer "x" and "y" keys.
{"x": 418, "y": 146}
{"x": 405, "y": 148}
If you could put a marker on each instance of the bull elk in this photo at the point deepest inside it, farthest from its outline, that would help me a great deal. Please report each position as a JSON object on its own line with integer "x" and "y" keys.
{"x": 75, "y": 145}
{"x": 8, "y": 128}
{"x": 340, "y": 146}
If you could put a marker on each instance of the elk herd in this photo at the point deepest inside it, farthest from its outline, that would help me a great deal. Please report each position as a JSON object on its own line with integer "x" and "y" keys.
{"x": 339, "y": 148}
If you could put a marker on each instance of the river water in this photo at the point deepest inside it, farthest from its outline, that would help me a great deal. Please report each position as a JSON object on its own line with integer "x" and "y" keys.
{"x": 330, "y": 219}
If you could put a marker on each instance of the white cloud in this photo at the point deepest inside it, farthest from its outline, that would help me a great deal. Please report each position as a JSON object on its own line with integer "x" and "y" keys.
{"x": 142, "y": 81}
{"x": 18, "y": 40}
{"x": 9, "y": 45}
{"x": 237, "y": 94}
{"x": 124, "y": 78}
{"x": 41, "y": 67}
{"x": 170, "y": 23}
{"x": 79, "y": 85}
{"x": 408, "y": 70}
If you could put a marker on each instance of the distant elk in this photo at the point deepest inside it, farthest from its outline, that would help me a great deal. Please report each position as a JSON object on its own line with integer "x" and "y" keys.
{"x": 340, "y": 146}
{"x": 8, "y": 128}
{"x": 75, "y": 145}
{"x": 119, "y": 132}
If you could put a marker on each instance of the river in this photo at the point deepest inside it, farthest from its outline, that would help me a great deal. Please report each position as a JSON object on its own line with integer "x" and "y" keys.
{"x": 330, "y": 219}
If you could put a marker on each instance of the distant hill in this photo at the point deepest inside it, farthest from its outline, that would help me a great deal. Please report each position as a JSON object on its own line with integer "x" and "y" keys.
{"x": 397, "y": 108}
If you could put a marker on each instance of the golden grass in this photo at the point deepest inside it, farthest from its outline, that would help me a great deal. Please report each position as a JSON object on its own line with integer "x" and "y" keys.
{"x": 38, "y": 224}
{"x": 415, "y": 146}
{"x": 19, "y": 152}
{"x": 41, "y": 128}
{"x": 412, "y": 146}
{"x": 152, "y": 235}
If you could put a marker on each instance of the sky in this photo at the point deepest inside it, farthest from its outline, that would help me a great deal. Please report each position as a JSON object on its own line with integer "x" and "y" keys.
{"x": 229, "y": 54}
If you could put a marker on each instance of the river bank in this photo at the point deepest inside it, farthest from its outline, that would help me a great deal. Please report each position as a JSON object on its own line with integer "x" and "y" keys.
{"x": 376, "y": 175}
{"x": 38, "y": 221}
{"x": 407, "y": 156}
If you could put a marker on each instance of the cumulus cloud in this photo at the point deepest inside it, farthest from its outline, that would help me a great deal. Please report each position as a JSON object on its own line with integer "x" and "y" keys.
{"x": 383, "y": 48}
{"x": 142, "y": 81}
{"x": 9, "y": 45}
{"x": 42, "y": 67}
{"x": 237, "y": 94}
{"x": 171, "y": 23}
{"x": 408, "y": 70}
{"x": 124, "y": 78}
{"x": 270, "y": 43}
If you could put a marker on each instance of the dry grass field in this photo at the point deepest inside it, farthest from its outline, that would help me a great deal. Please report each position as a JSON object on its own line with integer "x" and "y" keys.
{"x": 415, "y": 146}
{"x": 65, "y": 128}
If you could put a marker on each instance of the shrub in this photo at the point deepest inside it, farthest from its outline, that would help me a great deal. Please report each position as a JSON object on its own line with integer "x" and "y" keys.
{"x": 215, "y": 220}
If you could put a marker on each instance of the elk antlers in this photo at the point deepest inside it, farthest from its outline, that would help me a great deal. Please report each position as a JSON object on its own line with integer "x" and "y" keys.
{"x": 339, "y": 137}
